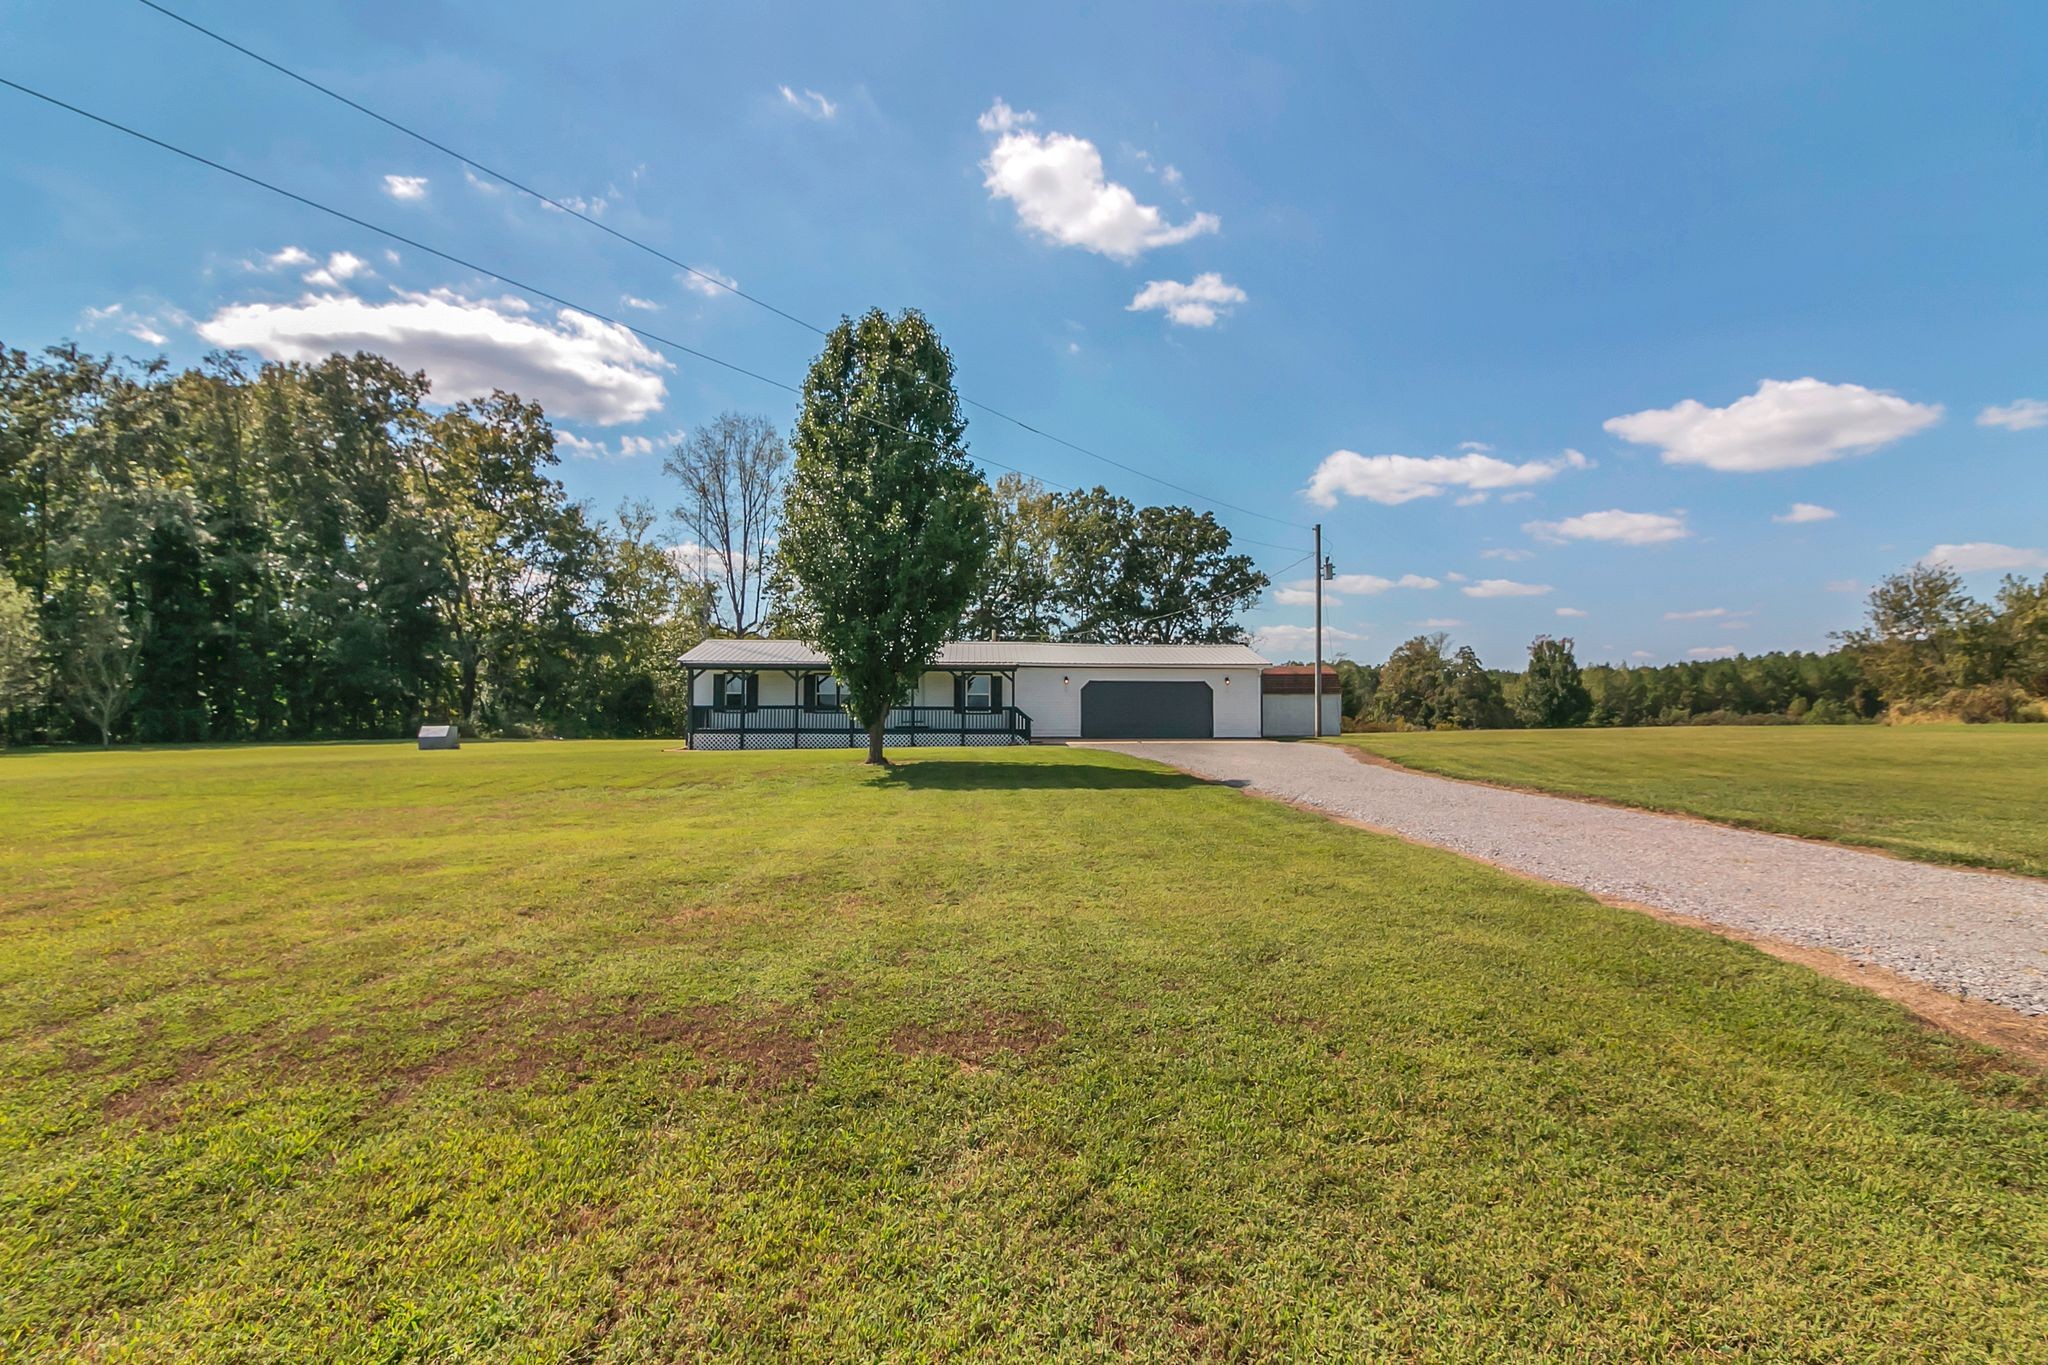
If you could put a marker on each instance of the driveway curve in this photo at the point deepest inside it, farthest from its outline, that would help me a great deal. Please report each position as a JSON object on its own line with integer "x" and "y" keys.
{"x": 1974, "y": 934}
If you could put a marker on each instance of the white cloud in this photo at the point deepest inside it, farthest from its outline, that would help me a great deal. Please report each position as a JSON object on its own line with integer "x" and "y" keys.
{"x": 810, "y": 104}
{"x": 1198, "y": 303}
{"x": 2022, "y": 415}
{"x": 635, "y": 301}
{"x": 1713, "y": 652}
{"x": 1056, "y": 182}
{"x": 1000, "y": 118}
{"x": 1395, "y": 479}
{"x": 698, "y": 283}
{"x": 592, "y": 207}
{"x": 1512, "y": 556}
{"x": 628, "y": 448}
{"x": 139, "y": 326}
{"x": 1613, "y": 525}
{"x": 1504, "y": 587}
{"x": 1571, "y": 611}
{"x": 406, "y": 186}
{"x": 477, "y": 182}
{"x": 577, "y": 367}
{"x": 1703, "y": 614}
{"x": 1367, "y": 584}
{"x": 1302, "y": 592}
{"x": 1977, "y": 556}
{"x": 1523, "y": 496}
{"x": 1785, "y": 424}
{"x": 1287, "y": 639}
{"x": 288, "y": 258}
{"x": 1803, "y": 512}
{"x": 342, "y": 265}
{"x": 1440, "y": 623}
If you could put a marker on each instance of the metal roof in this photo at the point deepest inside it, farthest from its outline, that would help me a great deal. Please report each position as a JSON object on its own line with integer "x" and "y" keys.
{"x": 986, "y": 654}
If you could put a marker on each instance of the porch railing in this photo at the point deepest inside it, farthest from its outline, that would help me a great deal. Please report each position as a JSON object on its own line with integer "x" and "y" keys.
{"x": 800, "y": 727}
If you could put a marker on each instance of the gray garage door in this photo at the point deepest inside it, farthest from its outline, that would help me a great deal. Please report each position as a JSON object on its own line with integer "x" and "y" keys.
{"x": 1147, "y": 710}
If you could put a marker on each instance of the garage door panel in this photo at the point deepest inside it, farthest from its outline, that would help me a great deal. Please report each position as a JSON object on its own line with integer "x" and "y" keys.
{"x": 1147, "y": 710}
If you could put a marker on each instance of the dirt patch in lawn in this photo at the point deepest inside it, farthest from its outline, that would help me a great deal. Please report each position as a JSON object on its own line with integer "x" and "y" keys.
{"x": 574, "y": 1042}
{"x": 972, "y": 1042}
{"x": 534, "y": 1039}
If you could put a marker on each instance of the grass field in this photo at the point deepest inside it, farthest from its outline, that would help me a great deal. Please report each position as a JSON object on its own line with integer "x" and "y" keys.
{"x": 602, "y": 1051}
{"x": 1974, "y": 794}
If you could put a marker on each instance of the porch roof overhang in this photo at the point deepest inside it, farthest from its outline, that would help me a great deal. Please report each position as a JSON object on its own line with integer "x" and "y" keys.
{"x": 995, "y": 656}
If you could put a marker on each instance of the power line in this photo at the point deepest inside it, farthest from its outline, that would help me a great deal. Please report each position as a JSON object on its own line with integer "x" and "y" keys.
{"x": 659, "y": 254}
{"x": 453, "y": 259}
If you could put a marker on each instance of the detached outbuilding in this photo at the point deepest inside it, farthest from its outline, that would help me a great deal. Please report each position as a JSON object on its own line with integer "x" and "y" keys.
{"x": 1287, "y": 701}
{"x": 780, "y": 694}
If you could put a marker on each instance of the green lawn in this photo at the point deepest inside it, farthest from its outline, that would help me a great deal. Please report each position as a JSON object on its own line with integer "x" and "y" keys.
{"x": 601, "y": 1051}
{"x": 1975, "y": 794}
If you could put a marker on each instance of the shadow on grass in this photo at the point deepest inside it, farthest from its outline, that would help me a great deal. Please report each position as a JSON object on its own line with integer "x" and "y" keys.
{"x": 980, "y": 775}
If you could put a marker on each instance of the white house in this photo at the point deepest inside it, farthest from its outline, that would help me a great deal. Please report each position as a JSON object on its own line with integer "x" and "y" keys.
{"x": 780, "y": 694}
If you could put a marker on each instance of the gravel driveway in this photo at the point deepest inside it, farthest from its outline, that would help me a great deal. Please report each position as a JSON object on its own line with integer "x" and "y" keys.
{"x": 1974, "y": 934}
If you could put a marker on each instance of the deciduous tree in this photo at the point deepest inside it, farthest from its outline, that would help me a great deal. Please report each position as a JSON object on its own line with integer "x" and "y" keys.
{"x": 730, "y": 471}
{"x": 1553, "y": 693}
{"x": 886, "y": 523}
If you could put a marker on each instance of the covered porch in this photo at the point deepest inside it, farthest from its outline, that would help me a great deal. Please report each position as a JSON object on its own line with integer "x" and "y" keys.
{"x": 746, "y": 705}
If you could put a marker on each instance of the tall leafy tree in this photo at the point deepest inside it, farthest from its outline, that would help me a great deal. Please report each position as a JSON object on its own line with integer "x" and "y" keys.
{"x": 1020, "y": 594}
{"x": 1412, "y": 685}
{"x": 1474, "y": 700}
{"x": 1553, "y": 693}
{"x": 100, "y": 657}
{"x": 886, "y": 523}
{"x": 1148, "y": 575}
{"x": 498, "y": 520}
{"x": 22, "y": 668}
{"x": 1925, "y": 634}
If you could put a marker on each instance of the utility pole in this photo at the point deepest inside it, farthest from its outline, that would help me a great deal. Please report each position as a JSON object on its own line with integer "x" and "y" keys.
{"x": 1317, "y": 724}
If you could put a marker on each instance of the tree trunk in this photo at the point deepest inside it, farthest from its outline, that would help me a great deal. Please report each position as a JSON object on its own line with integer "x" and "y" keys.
{"x": 875, "y": 741}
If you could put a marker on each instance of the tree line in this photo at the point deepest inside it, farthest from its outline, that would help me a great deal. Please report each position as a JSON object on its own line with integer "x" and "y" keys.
{"x": 296, "y": 551}
{"x": 1927, "y": 650}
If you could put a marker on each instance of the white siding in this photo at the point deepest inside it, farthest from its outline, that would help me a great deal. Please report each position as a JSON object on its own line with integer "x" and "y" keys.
{"x": 1289, "y": 714}
{"x": 1052, "y": 696}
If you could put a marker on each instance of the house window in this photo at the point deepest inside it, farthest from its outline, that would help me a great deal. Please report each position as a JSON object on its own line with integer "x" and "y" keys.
{"x": 979, "y": 693}
{"x": 827, "y": 693}
{"x": 736, "y": 692}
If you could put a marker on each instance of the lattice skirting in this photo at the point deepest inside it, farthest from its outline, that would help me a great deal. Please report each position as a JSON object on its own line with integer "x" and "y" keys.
{"x": 812, "y": 739}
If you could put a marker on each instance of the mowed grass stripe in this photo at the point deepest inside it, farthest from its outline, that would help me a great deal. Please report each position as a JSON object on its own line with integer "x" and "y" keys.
{"x": 606, "y": 1051}
{"x": 1967, "y": 794}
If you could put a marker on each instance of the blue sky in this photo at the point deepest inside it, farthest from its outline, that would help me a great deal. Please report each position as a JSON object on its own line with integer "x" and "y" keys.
{"x": 1510, "y": 298}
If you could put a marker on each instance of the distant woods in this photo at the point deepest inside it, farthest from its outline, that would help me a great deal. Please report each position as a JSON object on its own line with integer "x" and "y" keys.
{"x": 304, "y": 551}
{"x": 291, "y": 551}
{"x": 1928, "y": 651}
